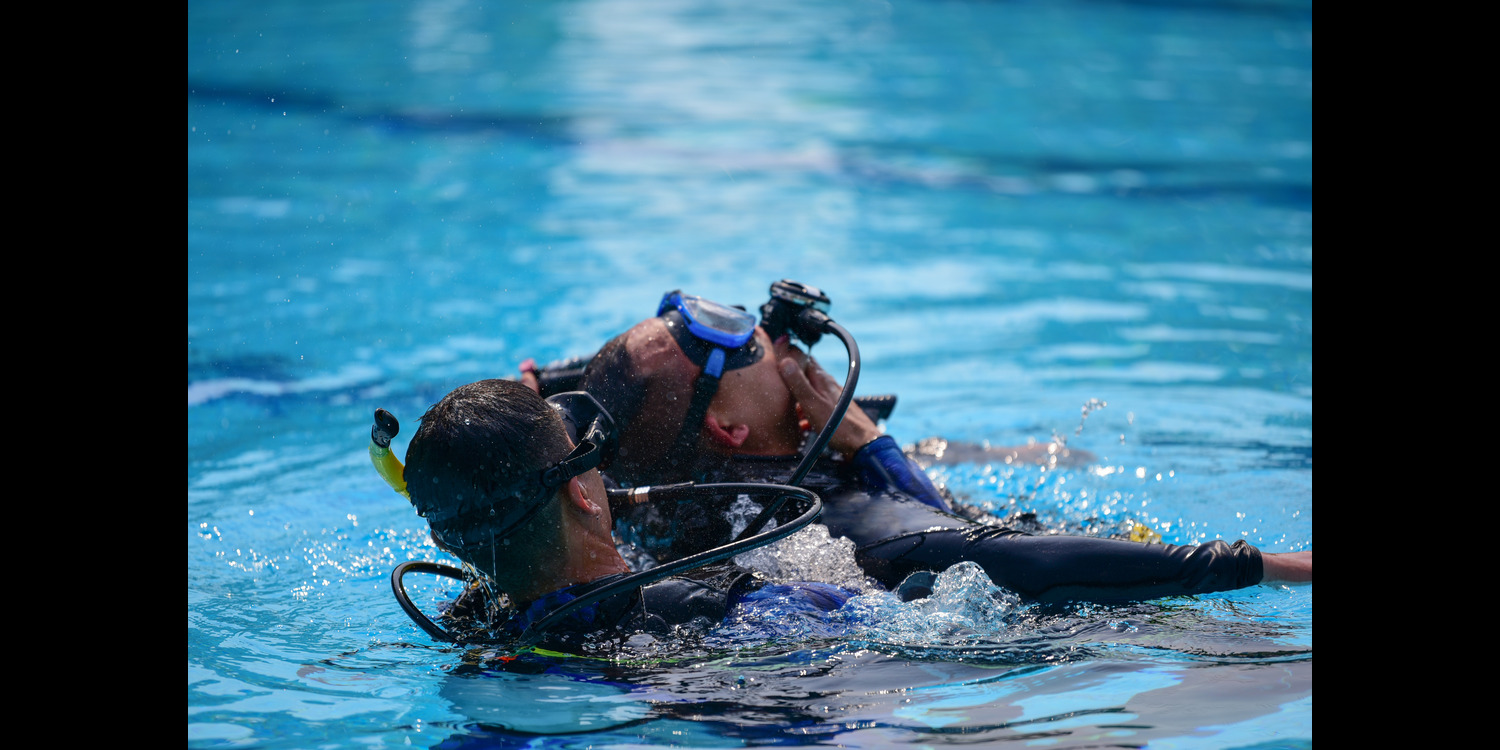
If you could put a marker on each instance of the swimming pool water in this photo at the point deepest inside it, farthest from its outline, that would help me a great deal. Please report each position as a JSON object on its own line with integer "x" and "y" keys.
{"x": 1019, "y": 208}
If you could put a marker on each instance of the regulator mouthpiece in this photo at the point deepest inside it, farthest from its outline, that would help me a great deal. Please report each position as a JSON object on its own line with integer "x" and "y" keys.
{"x": 797, "y": 308}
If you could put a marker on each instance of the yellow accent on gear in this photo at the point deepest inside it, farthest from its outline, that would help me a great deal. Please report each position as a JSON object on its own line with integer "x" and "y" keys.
{"x": 389, "y": 468}
{"x": 1139, "y": 532}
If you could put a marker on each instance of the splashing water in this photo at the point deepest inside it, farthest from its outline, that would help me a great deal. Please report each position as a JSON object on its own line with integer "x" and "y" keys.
{"x": 809, "y": 555}
{"x": 965, "y": 608}
{"x": 964, "y": 612}
{"x": 1092, "y": 405}
{"x": 742, "y": 512}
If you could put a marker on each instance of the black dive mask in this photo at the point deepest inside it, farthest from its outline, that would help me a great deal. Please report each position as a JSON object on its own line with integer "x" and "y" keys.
{"x": 592, "y": 431}
{"x": 595, "y": 441}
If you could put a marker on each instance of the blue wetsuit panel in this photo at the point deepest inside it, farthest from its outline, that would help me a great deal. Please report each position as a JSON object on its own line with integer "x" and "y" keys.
{"x": 883, "y": 467}
{"x": 805, "y": 596}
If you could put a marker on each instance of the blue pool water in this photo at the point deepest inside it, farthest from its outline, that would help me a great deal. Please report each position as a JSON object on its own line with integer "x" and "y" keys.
{"x": 1021, "y": 209}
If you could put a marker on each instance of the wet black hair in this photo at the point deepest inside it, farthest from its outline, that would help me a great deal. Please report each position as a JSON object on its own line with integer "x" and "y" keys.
{"x": 613, "y": 378}
{"x": 648, "y": 411}
{"x": 483, "y": 446}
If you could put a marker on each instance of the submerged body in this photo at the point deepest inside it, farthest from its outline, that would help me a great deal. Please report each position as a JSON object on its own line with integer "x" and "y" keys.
{"x": 676, "y": 607}
{"x": 729, "y": 414}
{"x": 900, "y": 525}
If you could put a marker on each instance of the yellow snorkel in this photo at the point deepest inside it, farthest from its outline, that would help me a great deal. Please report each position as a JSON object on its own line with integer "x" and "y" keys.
{"x": 386, "y": 464}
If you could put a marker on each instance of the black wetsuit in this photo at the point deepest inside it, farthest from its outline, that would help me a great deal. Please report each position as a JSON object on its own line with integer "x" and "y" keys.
{"x": 674, "y": 607}
{"x": 900, "y": 524}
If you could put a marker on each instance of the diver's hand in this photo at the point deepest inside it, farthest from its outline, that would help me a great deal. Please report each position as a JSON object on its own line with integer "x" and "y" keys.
{"x": 529, "y": 375}
{"x": 818, "y": 393}
{"x": 1287, "y": 567}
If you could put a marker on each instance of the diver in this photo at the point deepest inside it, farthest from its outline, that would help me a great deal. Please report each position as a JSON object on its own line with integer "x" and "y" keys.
{"x": 509, "y": 483}
{"x": 704, "y": 392}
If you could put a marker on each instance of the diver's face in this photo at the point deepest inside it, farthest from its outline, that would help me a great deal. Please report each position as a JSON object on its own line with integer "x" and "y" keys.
{"x": 755, "y": 395}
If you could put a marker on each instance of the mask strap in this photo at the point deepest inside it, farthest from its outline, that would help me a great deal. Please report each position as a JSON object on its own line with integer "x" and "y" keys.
{"x": 585, "y": 456}
{"x": 704, "y": 389}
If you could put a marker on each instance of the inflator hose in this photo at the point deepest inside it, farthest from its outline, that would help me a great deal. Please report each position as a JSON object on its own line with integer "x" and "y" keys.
{"x": 816, "y": 448}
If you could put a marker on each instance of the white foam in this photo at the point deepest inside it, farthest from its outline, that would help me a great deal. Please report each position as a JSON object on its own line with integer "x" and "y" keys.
{"x": 809, "y": 555}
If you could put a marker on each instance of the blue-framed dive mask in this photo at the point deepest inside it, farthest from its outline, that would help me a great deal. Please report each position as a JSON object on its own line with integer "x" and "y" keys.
{"x": 729, "y": 327}
{"x": 595, "y": 442}
{"x": 714, "y": 336}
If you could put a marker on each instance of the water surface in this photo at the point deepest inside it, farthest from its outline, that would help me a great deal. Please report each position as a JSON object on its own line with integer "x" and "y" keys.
{"x": 1021, "y": 209}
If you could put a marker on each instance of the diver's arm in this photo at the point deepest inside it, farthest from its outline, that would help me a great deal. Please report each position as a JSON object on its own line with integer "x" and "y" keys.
{"x": 1070, "y": 568}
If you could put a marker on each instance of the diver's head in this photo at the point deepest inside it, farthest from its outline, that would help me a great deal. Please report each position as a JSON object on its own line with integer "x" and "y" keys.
{"x": 494, "y": 470}
{"x": 647, "y": 378}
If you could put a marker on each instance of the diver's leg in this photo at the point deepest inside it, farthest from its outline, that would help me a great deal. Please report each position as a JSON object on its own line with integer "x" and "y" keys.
{"x": 1069, "y": 568}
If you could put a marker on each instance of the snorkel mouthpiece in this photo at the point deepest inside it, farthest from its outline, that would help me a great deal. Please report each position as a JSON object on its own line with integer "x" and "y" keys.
{"x": 386, "y": 464}
{"x": 385, "y": 428}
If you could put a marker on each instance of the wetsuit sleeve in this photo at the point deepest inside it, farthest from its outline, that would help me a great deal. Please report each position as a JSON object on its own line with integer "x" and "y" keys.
{"x": 1071, "y": 568}
{"x": 883, "y": 467}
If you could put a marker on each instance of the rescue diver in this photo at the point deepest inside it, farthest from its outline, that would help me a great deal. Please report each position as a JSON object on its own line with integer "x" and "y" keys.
{"x": 701, "y": 392}
{"x": 509, "y": 483}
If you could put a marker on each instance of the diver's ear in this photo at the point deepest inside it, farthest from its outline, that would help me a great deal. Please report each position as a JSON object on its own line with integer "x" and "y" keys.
{"x": 730, "y": 436}
{"x": 579, "y": 498}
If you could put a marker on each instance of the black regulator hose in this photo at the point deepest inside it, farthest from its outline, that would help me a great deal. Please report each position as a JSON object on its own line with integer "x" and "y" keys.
{"x": 411, "y": 610}
{"x": 685, "y": 490}
{"x": 744, "y": 543}
{"x": 816, "y": 448}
